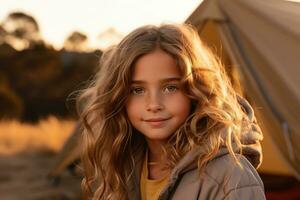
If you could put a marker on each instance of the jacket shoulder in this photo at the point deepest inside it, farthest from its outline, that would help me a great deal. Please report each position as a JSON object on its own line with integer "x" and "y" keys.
{"x": 233, "y": 180}
{"x": 222, "y": 179}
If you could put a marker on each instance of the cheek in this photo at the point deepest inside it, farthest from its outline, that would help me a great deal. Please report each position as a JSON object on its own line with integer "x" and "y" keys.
{"x": 182, "y": 106}
{"x": 132, "y": 110}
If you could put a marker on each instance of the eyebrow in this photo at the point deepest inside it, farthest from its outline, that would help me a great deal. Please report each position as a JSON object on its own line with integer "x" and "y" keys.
{"x": 165, "y": 80}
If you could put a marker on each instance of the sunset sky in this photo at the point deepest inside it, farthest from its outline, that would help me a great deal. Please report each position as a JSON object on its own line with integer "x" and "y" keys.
{"x": 58, "y": 18}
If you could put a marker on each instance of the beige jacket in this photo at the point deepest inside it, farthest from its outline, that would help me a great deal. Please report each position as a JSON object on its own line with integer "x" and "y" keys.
{"x": 222, "y": 178}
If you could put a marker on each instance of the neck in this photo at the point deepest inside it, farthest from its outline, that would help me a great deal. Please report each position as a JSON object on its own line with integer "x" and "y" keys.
{"x": 155, "y": 152}
{"x": 157, "y": 169}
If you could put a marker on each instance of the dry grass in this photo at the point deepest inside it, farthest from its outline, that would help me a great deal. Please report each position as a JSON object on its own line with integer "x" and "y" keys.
{"x": 49, "y": 135}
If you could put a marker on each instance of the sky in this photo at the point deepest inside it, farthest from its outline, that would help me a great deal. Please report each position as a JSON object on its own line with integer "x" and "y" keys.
{"x": 58, "y": 18}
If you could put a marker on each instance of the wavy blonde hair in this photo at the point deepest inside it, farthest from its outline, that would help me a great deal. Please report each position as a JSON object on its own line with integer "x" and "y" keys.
{"x": 109, "y": 140}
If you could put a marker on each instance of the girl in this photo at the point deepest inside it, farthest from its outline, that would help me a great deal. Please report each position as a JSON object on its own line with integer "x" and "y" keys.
{"x": 162, "y": 121}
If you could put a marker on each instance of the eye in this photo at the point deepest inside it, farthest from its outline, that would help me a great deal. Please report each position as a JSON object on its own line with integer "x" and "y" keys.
{"x": 171, "y": 88}
{"x": 137, "y": 90}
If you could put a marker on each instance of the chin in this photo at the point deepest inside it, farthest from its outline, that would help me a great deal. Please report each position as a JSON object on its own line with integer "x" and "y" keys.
{"x": 158, "y": 136}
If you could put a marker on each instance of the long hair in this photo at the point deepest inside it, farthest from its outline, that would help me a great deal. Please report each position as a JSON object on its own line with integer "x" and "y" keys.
{"x": 110, "y": 142}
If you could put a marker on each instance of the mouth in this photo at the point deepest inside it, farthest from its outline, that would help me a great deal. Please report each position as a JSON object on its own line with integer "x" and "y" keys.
{"x": 156, "y": 119}
{"x": 156, "y": 122}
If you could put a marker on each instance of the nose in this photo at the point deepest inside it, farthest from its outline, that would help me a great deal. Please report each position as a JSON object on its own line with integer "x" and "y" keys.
{"x": 154, "y": 103}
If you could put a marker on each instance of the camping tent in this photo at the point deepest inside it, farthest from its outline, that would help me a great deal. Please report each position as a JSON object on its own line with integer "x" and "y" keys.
{"x": 259, "y": 40}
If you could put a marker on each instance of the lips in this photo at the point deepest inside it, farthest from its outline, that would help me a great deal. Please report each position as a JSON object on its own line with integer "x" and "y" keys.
{"x": 156, "y": 122}
{"x": 156, "y": 119}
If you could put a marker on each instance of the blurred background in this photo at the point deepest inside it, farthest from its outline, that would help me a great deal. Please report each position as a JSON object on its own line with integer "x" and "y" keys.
{"x": 50, "y": 49}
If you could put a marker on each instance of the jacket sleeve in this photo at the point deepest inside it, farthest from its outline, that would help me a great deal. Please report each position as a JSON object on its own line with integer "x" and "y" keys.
{"x": 246, "y": 193}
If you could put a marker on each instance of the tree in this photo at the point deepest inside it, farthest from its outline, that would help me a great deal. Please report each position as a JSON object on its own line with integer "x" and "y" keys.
{"x": 76, "y": 41}
{"x": 22, "y": 30}
{"x": 109, "y": 37}
{"x": 3, "y": 34}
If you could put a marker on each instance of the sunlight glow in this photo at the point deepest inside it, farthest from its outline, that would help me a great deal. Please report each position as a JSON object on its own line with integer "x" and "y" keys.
{"x": 57, "y": 18}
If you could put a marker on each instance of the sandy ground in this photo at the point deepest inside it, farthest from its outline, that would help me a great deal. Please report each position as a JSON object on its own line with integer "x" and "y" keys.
{"x": 24, "y": 176}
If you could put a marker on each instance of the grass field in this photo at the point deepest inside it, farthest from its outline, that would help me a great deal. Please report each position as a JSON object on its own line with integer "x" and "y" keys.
{"x": 49, "y": 135}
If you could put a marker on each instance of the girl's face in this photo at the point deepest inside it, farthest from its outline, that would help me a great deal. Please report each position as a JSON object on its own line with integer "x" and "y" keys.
{"x": 157, "y": 105}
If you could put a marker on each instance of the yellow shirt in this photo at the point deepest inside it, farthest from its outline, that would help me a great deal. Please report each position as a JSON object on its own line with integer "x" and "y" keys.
{"x": 150, "y": 189}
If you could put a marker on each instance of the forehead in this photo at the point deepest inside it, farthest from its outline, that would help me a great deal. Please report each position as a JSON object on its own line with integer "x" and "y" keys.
{"x": 155, "y": 65}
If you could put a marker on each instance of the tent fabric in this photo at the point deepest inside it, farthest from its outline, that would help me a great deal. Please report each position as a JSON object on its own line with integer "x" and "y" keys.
{"x": 262, "y": 38}
{"x": 69, "y": 154}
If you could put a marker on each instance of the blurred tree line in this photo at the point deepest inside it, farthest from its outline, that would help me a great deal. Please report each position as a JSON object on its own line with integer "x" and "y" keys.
{"x": 36, "y": 79}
